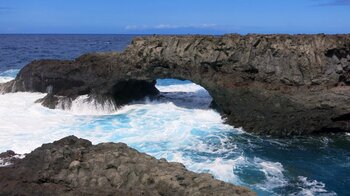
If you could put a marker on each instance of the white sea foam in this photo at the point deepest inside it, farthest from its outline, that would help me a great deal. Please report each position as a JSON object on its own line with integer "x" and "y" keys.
{"x": 25, "y": 125}
{"x": 273, "y": 173}
{"x": 312, "y": 187}
{"x": 4, "y": 163}
{"x": 191, "y": 87}
{"x": 220, "y": 168}
{"x": 161, "y": 129}
{"x": 31, "y": 124}
{"x": 198, "y": 138}
{"x": 85, "y": 106}
{"x": 5, "y": 79}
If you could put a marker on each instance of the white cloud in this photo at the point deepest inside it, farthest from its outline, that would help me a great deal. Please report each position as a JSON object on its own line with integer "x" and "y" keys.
{"x": 170, "y": 26}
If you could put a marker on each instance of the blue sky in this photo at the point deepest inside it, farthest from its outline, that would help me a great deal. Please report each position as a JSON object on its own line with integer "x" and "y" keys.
{"x": 175, "y": 17}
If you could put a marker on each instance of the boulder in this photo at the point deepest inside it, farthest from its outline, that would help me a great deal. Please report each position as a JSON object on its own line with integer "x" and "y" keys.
{"x": 73, "y": 166}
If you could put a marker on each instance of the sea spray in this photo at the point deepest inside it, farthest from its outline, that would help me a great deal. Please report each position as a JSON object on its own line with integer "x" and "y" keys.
{"x": 166, "y": 127}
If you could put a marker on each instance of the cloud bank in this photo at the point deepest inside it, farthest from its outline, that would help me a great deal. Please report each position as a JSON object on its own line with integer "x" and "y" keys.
{"x": 170, "y": 26}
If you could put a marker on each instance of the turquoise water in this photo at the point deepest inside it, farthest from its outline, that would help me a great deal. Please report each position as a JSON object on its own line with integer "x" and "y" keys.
{"x": 180, "y": 126}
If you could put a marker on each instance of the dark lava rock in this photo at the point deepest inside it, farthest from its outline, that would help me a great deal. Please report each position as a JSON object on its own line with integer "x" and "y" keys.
{"x": 9, "y": 157}
{"x": 7, "y": 154}
{"x": 269, "y": 84}
{"x": 73, "y": 166}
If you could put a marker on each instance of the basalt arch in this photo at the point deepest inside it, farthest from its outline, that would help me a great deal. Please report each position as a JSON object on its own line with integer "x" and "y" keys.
{"x": 269, "y": 84}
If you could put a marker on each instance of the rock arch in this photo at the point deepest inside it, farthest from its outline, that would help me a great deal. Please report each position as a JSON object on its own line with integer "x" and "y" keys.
{"x": 271, "y": 84}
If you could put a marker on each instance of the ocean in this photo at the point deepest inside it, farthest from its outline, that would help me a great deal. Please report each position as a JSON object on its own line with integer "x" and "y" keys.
{"x": 179, "y": 126}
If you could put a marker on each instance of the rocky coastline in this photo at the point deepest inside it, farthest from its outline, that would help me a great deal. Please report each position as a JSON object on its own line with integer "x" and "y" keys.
{"x": 268, "y": 84}
{"x": 73, "y": 166}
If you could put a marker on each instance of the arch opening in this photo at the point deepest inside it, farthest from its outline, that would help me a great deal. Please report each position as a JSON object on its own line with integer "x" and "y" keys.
{"x": 183, "y": 93}
{"x": 124, "y": 91}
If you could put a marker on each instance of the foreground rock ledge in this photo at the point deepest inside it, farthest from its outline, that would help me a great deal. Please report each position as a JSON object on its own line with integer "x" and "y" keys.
{"x": 269, "y": 84}
{"x": 73, "y": 166}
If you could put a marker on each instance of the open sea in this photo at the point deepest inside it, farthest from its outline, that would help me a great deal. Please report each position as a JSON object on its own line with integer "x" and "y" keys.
{"x": 178, "y": 126}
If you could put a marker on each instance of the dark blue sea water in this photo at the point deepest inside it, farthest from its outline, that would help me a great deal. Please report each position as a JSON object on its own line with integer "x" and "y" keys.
{"x": 19, "y": 50}
{"x": 179, "y": 126}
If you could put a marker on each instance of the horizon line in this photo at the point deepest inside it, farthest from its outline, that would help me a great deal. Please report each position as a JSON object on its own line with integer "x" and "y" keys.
{"x": 135, "y": 34}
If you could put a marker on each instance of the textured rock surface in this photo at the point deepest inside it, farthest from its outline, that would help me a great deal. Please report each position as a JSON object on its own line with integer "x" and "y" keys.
{"x": 73, "y": 166}
{"x": 9, "y": 157}
{"x": 271, "y": 84}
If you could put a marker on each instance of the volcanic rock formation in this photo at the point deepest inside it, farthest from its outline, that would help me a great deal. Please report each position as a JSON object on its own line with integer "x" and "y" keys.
{"x": 9, "y": 157}
{"x": 270, "y": 84}
{"x": 73, "y": 166}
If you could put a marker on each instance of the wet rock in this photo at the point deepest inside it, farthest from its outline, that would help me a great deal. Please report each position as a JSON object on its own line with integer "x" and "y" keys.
{"x": 73, "y": 166}
{"x": 268, "y": 84}
{"x": 8, "y": 158}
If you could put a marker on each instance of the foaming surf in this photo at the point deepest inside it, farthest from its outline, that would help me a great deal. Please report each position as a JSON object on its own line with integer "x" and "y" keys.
{"x": 83, "y": 105}
{"x": 178, "y": 126}
{"x": 312, "y": 187}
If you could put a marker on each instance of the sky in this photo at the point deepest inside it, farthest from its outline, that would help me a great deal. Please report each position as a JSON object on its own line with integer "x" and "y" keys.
{"x": 174, "y": 17}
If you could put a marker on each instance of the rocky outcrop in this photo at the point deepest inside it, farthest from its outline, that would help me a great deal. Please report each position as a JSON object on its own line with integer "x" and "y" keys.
{"x": 9, "y": 157}
{"x": 270, "y": 84}
{"x": 73, "y": 166}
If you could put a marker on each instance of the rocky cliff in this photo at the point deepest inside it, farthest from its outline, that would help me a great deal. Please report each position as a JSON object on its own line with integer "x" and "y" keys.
{"x": 270, "y": 84}
{"x": 73, "y": 166}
